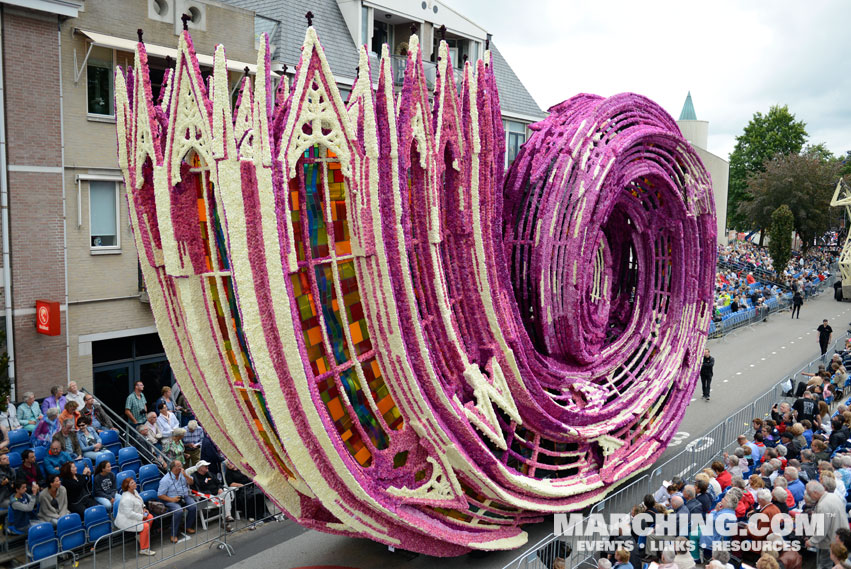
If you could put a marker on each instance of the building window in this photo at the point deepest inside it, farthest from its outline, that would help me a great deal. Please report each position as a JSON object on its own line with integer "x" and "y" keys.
{"x": 99, "y": 80}
{"x": 103, "y": 214}
{"x": 364, "y": 25}
{"x": 515, "y": 136}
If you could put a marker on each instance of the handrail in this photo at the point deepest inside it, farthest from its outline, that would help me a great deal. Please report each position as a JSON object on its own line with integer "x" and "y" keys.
{"x": 129, "y": 435}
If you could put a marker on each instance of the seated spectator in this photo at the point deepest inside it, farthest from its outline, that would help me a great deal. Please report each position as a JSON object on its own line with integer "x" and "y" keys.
{"x": 154, "y": 435}
{"x": 842, "y": 465}
{"x": 807, "y": 434}
{"x": 70, "y": 412}
{"x": 29, "y": 471}
{"x": 725, "y": 517}
{"x": 24, "y": 506}
{"x": 820, "y": 451}
{"x": 721, "y": 475}
{"x": 166, "y": 397}
{"x": 46, "y": 428}
{"x": 7, "y": 479}
{"x": 104, "y": 485}
{"x": 167, "y": 422}
{"x": 173, "y": 491}
{"x": 683, "y": 558}
{"x": 9, "y": 417}
{"x": 209, "y": 487}
{"x": 714, "y": 486}
{"x": 173, "y": 447}
{"x": 666, "y": 559}
{"x": 839, "y": 556}
{"x": 74, "y": 394}
{"x": 252, "y": 502}
{"x": 723, "y": 557}
{"x": 192, "y": 442}
{"x": 839, "y": 434}
{"x": 100, "y": 421}
{"x": 53, "y": 501}
{"x": 797, "y": 432}
{"x": 56, "y": 399}
{"x": 77, "y": 485}
{"x": 29, "y": 413}
{"x": 134, "y": 516}
{"x": 793, "y": 484}
{"x": 832, "y": 484}
{"x": 622, "y": 560}
{"x": 67, "y": 437}
{"x": 88, "y": 439}
{"x": 56, "y": 458}
{"x": 760, "y": 526}
{"x": 778, "y": 497}
{"x": 693, "y": 505}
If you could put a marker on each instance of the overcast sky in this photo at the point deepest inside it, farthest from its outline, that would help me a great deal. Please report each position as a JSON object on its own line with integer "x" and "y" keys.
{"x": 736, "y": 57}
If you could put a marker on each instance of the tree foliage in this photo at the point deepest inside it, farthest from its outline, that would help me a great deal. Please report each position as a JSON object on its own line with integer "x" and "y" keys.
{"x": 780, "y": 244}
{"x": 764, "y": 137}
{"x": 804, "y": 183}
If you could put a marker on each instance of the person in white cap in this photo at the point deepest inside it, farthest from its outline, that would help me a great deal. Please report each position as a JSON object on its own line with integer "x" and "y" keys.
{"x": 209, "y": 487}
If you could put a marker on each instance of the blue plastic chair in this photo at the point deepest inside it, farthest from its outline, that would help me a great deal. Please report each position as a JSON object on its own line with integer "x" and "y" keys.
{"x": 149, "y": 477}
{"x": 70, "y": 532}
{"x": 148, "y": 495}
{"x": 115, "y": 504}
{"x": 97, "y": 523}
{"x": 128, "y": 459}
{"x": 15, "y": 460}
{"x": 41, "y": 542}
{"x": 19, "y": 440}
{"x": 119, "y": 478}
{"x": 110, "y": 441}
{"x": 40, "y": 453}
{"x": 106, "y": 455}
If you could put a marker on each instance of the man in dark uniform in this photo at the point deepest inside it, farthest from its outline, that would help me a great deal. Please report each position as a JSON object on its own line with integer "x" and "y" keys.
{"x": 825, "y": 334}
{"x": 706, "y": 372}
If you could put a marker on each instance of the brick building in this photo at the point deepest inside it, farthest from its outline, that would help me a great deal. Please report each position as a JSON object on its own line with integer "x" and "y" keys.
{"x": 68, "y": 237}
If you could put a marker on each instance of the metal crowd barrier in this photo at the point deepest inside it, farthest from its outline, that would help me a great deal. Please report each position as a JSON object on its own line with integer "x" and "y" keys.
{"x": 697, "y": 455}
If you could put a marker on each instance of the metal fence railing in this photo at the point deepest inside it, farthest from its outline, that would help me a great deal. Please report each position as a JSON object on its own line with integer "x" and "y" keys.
{"x": 696, "y": 456}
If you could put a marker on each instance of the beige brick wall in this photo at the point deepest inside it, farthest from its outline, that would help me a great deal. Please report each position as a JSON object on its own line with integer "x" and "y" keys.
{"x": 90, "y": 149}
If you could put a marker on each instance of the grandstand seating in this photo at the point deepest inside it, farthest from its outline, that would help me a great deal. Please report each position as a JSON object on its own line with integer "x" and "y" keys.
{"x": 41, "y": 542}
{"x": 70, "y": 532}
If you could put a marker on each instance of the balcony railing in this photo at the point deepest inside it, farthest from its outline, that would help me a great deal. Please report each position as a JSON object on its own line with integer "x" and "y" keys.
{"x": 399, "y": 62}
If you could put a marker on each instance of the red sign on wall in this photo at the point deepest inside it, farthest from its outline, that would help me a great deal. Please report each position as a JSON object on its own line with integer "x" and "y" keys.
{"x": 47, "y": 317}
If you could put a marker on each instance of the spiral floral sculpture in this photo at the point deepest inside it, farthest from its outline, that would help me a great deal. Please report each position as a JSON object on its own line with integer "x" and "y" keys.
{"x": 391, "y": 343}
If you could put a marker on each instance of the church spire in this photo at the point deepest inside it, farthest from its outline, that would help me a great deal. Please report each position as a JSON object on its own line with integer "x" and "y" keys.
{"x": 687, "y": 114}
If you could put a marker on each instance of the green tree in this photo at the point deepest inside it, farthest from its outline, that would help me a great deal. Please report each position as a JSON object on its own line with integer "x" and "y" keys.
{"x": 780, "y": 244}
{"x": 764, "y": 137}
{"x": 804, "y": 183}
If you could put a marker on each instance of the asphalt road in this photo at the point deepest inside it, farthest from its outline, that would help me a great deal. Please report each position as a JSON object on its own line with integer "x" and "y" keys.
{"x": 747, "y": 363}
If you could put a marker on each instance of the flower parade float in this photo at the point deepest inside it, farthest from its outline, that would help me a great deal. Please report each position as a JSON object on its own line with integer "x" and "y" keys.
{"x": 395, "y": 338}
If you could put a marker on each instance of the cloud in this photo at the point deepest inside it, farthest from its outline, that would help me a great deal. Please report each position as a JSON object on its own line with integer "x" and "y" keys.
{"x": 736, "y": 58}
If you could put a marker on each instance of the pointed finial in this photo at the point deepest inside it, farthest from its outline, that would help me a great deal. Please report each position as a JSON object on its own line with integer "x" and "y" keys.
{"x": 168, "y": 61}
{"x": 413, "y": 28}
{"x": 357, "y": 70}
{"x": 443, "y": 32}
{"x": 185, "y": 18}
{"x": 246, "y": 70}
{"x": 466, "y": 57}
{"x": 285, "y": 68}
{"x": 309, "y": 17}
{"x": 139, "y": 33}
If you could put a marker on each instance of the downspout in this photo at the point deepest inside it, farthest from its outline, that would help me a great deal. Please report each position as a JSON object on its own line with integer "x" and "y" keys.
{"x": 64, "y": 207}
{"x": 4, "y": 219}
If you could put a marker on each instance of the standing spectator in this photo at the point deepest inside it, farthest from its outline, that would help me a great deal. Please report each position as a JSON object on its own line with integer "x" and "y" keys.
{"x": 104, "y": 485}
{"x": 74, "y": 394}
{"x": 797, "y": 303}
{"x": 53, "y": 500}
{"x": 29, "y": 413}
{"x": 192, "y": 442}
{"x": 24, "y": 506}
{"x": 100, "y": 421}
{"x": 88, "y": 439}
{"x": 7, "y": 477}
{"x": 136, "y": 406}
{"x": 835, "y": 517}
{"x": 825, "y": 334}
{"x": 70, "y": 412}
{"x": 29, "y": 471}
{"x": 706, "y": 371}
{"x": 133, "y": 516}
{"x": 46, "y": 428}
{"x": 9, "y": 417}
{"x": 56, "y": 399}
{"x": 68, "y": 439}
{"x": 166, "y": 422}
{"x": 166, "y": 397}
{"x": 56, "y": 458}
{"x": 173, "y": 491}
